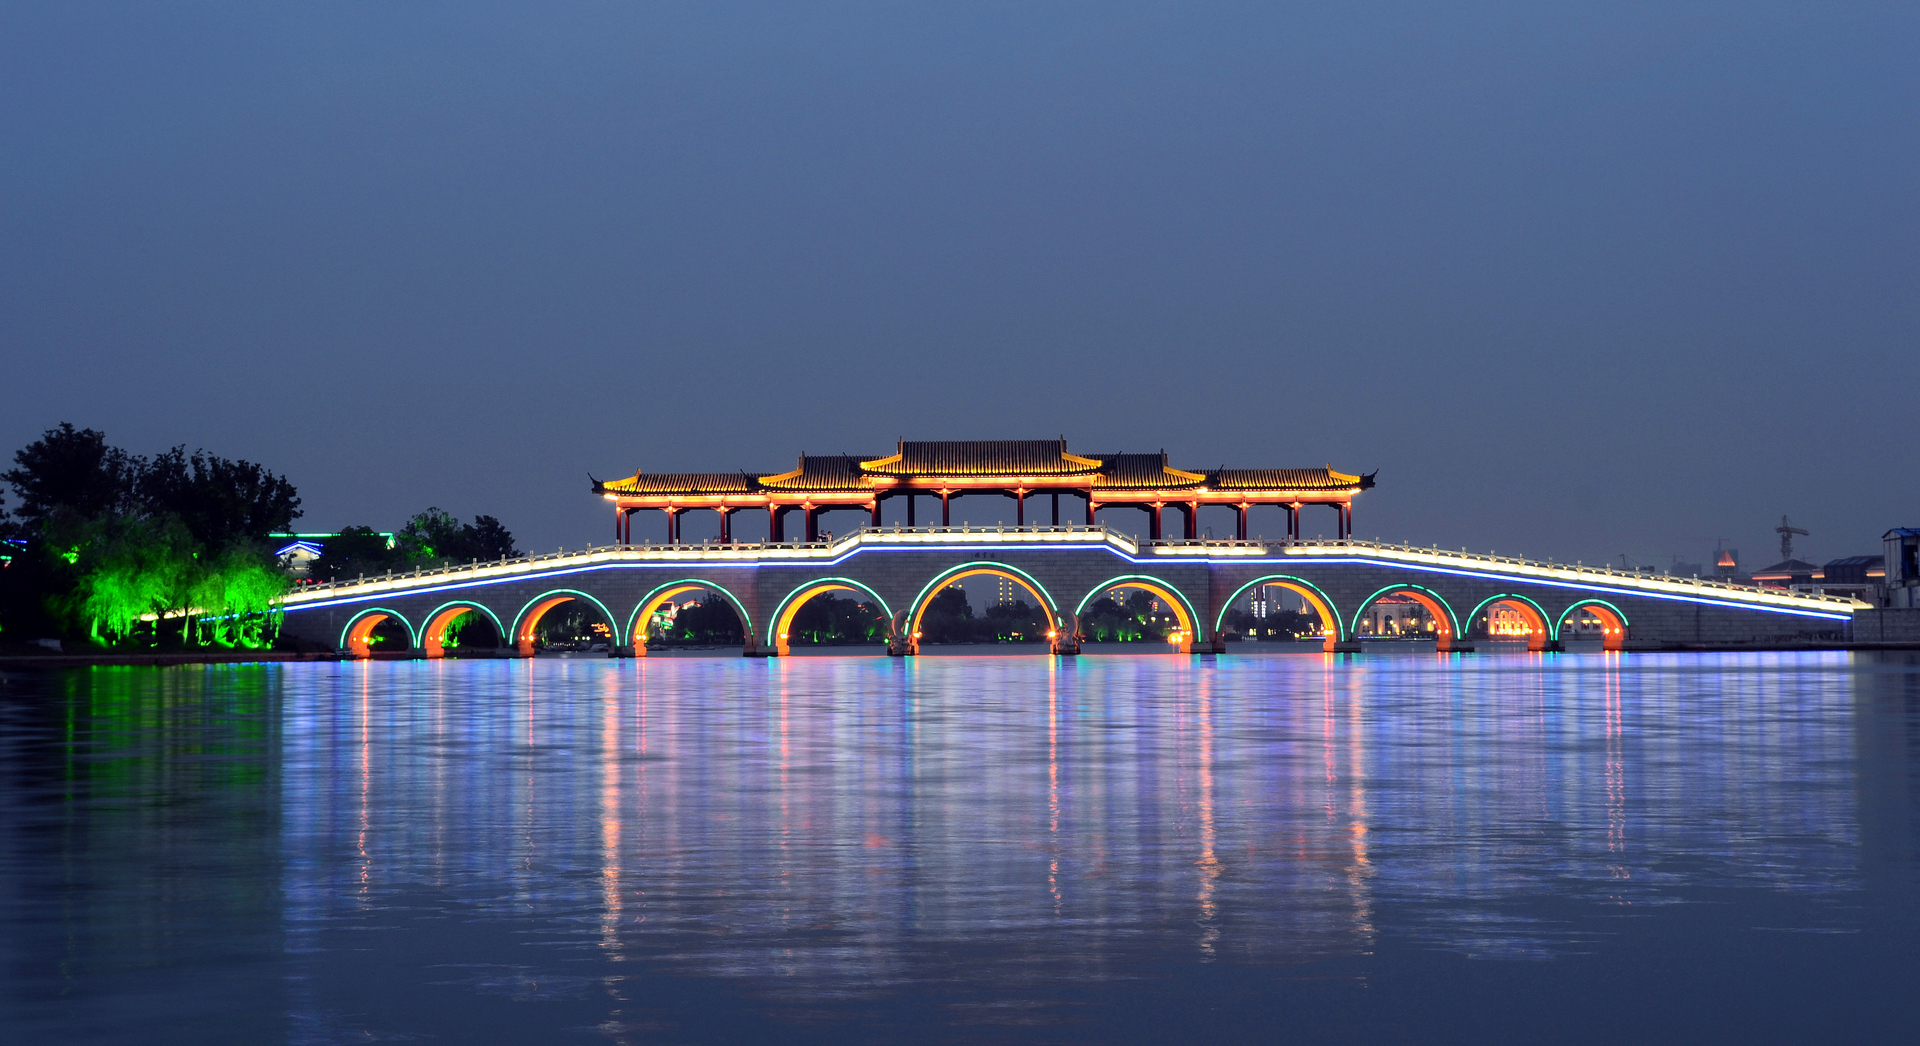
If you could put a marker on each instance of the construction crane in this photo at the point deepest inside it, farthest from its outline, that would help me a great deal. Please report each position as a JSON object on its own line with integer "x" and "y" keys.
{"x": 1786, "y": 531}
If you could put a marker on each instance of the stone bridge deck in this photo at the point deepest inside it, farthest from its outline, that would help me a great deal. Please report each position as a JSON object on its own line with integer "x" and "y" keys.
{"x": 1064, "y": 568}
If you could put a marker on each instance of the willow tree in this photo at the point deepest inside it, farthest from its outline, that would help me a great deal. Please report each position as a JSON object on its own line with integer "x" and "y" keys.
{"x": 135, "y": 571}
{"x": 236, "y": 599}
{"x": 131, "y": 570}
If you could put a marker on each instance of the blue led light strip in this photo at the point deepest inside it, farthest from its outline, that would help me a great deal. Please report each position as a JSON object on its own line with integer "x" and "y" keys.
{"x": 1295, "y": 561}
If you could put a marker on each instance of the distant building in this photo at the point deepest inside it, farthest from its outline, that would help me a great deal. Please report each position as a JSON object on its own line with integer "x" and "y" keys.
{"x": 1395, "y": 616}
{"x": 1504, "y": 622}
{"x": 297, "y": 556}
{"x": 1726, "y": 563}
{"x": 1901, "y": 568}
{"x": 1796, "y": 575}
{"x": 1861, "y": 577}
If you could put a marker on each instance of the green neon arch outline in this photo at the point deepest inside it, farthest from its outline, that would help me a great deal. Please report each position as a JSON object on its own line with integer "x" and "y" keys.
{"x": 1553, "y": 630}
{"x": 1125, "y": 579}
{"x": 1453, "y": 620}
{"x": 846, "y": 582}
{"x": 1571, "y": 607}
{"x": 612, "y": 622}
{"x": 633, "y": 619}
{"x": 413, "y": 637}
{"x": 1339, "y": 626}
{"x": 940, "y": 580}
{"x": 427, "y": 622}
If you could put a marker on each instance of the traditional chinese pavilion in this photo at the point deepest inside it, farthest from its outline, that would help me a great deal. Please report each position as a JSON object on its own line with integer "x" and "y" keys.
{"x": 1016, "y": 469}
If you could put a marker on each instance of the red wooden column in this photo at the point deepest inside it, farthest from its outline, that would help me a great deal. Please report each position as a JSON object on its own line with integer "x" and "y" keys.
{"x": 813, "y": 524}
{"x": 1240, "y": 521}
{"x": 945, "y": 519}
{"x": 726, "y": 525}
{"x": 773, "y": 523}
{"x": 1153, "y": 530}
{"x": 1090, "y": 507}
{"x": 1019, "y": 508}
{"x": 875, "y": 506}
{"x": 1056, "y": 508}
{"x": 909, "y": 509}
{"x": 1193, "y": 520}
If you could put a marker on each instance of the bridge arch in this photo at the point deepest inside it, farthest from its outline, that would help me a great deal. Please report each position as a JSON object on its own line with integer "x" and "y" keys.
{"x": 1176, "y": 600}
{"x": 1613, "y": 621}
{"x": 1447, "y": 625}
{"x": 636, "y": 622}
{"x": 1321, "y": 603}
{"x": 433, "y": 634}
{"x": 357, "y": 637}
{"x": 908, "y": 625}
{"x": 782, "y": 619}
{"x": 1540, "y": 625}
{"x": 530, "y": 615}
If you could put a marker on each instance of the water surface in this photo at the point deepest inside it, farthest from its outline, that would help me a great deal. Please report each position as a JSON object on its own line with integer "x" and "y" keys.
{"x": 1555, "y": 848}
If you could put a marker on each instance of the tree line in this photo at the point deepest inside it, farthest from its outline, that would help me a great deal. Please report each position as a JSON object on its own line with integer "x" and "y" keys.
{"x": 430, "y": 538}
{"x": 106, "y": 544}
{"x": 177, "y": 548}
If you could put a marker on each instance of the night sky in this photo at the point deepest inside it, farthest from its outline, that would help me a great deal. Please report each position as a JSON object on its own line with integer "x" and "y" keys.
{"x": 1577, "y": 279}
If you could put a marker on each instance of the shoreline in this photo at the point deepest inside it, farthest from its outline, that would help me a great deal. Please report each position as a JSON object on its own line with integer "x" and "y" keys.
{"x": 161, "y": 660}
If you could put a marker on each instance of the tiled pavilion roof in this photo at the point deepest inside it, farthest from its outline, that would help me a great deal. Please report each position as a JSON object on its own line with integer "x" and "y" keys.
{"x": 1046, "y": 462}
{"x": 1013, "y": 457}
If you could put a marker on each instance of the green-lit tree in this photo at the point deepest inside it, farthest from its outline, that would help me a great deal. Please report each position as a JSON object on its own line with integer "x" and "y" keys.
{"x": 119, "y": 545}
{"x": 436, "y": 536}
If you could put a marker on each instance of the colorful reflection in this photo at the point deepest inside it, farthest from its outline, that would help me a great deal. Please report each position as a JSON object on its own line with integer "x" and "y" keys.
{"x": 380, "y": 850}
{"x": 823, "y": 821}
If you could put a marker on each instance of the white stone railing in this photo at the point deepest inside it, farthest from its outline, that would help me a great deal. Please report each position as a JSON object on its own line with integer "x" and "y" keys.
{"x": 1520, "y": 566}
{"x": 708, "y": 551}
{"x": 718, "y": 552}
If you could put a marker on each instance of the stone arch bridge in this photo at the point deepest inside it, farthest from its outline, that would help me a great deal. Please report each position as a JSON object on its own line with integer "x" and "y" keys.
{"x": 1063, "y": 569}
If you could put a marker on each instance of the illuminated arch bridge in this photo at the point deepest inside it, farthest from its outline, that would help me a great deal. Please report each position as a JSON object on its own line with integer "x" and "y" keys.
{"x": 1062, "y": 569}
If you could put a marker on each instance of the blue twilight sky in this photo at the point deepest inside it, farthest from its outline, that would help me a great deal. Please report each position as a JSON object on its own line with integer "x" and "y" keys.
{"x": 1578, "y": 279}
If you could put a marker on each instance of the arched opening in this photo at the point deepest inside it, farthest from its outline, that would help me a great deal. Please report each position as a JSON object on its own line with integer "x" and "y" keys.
{"x": 1135, "y": 608}
{"x": 812, "y": 615}
{"x": 943, "y": 614}
{"x": 565, "y": 621}
{"x": 1511, "y": 619}
{"x": 1272, "y": 613}
{"x": 1330, "y": 628}
{"x": 377, "y": 630}
{"x": 688, "y": 613}
{"x": 1406, "y": 612}
{"x": 1594, "y": 619}
{"x": 457, "y": 626}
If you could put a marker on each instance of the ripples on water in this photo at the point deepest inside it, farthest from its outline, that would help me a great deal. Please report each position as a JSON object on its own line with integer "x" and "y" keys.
{"x": 1150, "y": 848}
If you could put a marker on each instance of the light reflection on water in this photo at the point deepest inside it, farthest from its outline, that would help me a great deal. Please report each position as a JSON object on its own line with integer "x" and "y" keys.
{"x": 987, "y": 836}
